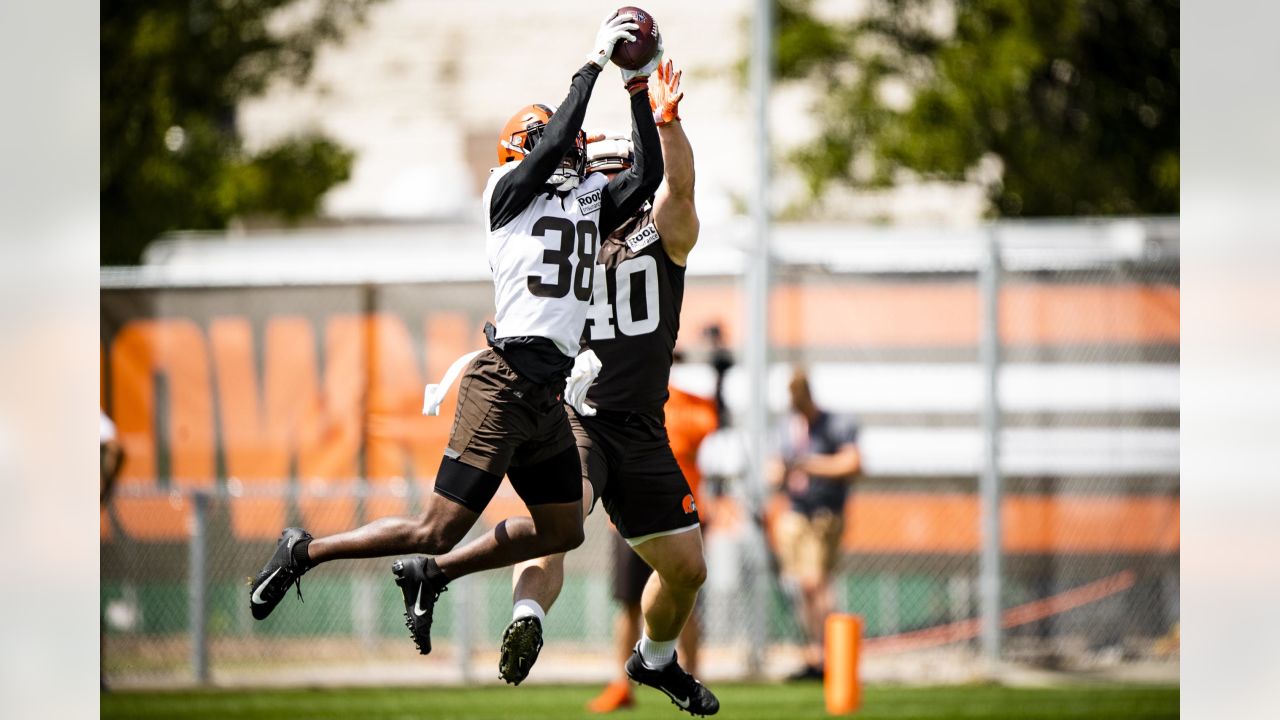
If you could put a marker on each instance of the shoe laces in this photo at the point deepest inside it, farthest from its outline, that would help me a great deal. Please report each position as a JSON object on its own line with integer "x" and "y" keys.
{"x": 435, "y": 594}
{"x": 296, "y": 570}
{"x": 297, "y": 586}
{"x": 684, "y": 681}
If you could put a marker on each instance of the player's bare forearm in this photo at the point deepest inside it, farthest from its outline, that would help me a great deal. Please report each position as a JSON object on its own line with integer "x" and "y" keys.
{"x": 677, "y": 157}
{"x": 775, "y": 474}
{"x": 674, "y": 212}
{"x": 843, "y": 464}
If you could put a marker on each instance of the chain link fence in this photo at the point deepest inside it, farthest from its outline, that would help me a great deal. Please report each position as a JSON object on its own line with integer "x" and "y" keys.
{"x": 345, "y": 626}
{"x": 1101, "y": 445}
{"x": 244, "y": 408}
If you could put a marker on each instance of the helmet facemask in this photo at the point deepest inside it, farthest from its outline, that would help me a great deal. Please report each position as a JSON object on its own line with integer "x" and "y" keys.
{"x": 569, "y": 174}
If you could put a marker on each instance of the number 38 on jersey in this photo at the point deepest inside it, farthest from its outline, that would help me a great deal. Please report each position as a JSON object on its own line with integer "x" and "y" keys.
{"x": 576, "y": 242}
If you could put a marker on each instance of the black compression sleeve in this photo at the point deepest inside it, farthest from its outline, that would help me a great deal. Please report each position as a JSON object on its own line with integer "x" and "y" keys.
{"x": 629, "y": 189}
{"x": 517, "y": 188}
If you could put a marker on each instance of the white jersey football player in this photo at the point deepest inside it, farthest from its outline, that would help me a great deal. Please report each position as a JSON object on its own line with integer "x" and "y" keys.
{"x": 619, "y": 421}
{"x": 543, "y": 223}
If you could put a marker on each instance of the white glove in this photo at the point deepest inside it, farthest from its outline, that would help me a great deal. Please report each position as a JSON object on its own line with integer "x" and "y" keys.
{"x": 435, "y": 392}
{"x": 612, "y": 30}
{"x": 645, "y": 71}
{"x": 585, "y": 369}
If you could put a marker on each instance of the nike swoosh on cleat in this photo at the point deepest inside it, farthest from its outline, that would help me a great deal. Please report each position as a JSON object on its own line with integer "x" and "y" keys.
{"x": 256, "y": 598}
{"x": 684, "y": 704}
{"x": 418, "y": 610}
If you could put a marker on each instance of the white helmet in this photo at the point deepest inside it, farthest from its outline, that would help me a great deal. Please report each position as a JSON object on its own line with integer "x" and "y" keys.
{"x": 612, "y": 154}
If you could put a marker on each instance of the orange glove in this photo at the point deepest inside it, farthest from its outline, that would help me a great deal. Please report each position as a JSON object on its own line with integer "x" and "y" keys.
{"x": 665, "y": 94}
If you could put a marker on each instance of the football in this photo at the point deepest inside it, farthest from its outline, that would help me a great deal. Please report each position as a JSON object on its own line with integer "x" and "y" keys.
{"x": 633, "y": 54}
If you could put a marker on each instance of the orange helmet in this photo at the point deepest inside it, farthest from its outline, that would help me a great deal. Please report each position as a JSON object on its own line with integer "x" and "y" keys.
{"x": 524, "y": 129}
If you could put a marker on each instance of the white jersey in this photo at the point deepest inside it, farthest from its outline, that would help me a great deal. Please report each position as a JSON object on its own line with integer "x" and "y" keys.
{"x": 543, "y": 262}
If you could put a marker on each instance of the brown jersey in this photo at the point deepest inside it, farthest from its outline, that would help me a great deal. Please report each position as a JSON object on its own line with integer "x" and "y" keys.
{"x": 634, "y": 318}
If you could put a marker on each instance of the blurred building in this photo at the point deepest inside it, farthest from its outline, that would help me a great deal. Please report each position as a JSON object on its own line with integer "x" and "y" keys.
{"x": 423, "y": 120}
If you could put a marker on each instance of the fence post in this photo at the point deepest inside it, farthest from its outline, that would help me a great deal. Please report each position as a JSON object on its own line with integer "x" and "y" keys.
{"x": 756, "y": 327}
{"x": 989, "y": 578}
{"x": 465, "y": 606}
{"x": 364, "y": 610}
{"x": 469, "y": 612}
{"x": 198, "y": 586}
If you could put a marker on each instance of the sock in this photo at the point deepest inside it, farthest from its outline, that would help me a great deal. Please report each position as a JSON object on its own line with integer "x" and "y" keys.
{"x": 529, "y": 608}
{"x": 299, "y": 554}
{"x": 435, "y": 576}
{"x": 656, "y": 655}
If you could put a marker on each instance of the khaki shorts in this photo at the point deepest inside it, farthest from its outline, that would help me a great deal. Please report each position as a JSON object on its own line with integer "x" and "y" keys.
{"x": 808, "y": 547}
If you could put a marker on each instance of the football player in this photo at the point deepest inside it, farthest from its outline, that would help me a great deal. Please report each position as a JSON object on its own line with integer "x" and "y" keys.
{"x": 626, "y": 455}
{"x": 690, "y": 419}
{"x": 543, "y": 219}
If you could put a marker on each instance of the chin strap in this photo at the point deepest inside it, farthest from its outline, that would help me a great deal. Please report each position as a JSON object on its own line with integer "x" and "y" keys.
{"x": 564, "y": 179}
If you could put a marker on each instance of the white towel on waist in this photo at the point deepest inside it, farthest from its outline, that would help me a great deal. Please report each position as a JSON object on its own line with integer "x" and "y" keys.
{"x": 435, "y": 392}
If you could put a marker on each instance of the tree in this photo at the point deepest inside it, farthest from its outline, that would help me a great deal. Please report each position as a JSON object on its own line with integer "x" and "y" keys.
{"x": 1076, "y": 99}
{"x": 173, "y": 74}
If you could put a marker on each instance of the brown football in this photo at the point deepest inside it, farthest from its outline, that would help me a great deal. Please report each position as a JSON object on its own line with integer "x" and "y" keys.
{"x": 634, "y": 54}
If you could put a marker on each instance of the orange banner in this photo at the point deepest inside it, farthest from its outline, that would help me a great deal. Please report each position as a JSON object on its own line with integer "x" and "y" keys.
{"x": 948, "y": 523}
{"x": 257, "y": 389}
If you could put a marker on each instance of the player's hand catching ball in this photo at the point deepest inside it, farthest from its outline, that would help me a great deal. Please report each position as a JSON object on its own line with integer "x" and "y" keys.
{"x": 613, "y": 29}
{"x": 642, "y": 74}
{"x": 665, "y": 95}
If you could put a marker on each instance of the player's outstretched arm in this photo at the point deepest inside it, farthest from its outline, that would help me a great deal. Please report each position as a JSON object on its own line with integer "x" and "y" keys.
{"x": 843, "y": 464}
{"x": 518, "y": 188}
{"x": 674, "y": 213}
{"x": 629, "y": 189}
{"x": 558, "y": 137}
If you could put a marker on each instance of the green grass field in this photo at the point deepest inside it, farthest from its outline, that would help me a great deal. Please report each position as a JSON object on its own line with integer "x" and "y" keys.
{"x": 758, "y": 701}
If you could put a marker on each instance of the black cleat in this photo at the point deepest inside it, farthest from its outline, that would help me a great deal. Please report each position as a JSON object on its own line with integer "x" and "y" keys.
{"x": 685, "y": 692}
{"x": 269, "y": 587}
{"x": 419, "y": 599}
{"x": 521, "y": 643}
